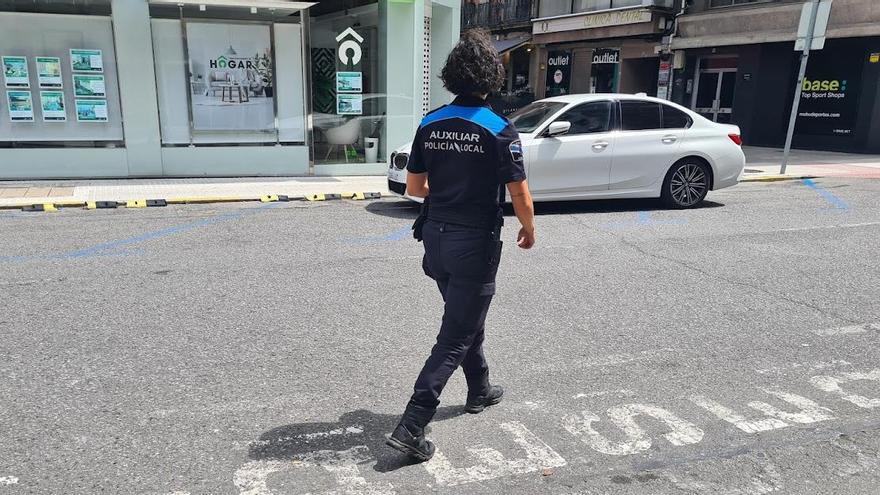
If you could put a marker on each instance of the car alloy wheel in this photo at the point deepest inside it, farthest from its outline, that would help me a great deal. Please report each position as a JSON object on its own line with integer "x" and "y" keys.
{"x": 688, "y": 185}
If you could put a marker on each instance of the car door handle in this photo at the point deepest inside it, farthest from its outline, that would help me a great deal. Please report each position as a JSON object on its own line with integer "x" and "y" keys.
{"x": 600, "y": 145}
{"x": 669, "y": 139}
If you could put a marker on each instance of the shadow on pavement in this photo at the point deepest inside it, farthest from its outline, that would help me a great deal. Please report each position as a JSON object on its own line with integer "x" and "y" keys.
{"x": 604, "y": 206}
{"x": 408, "y": 210}
{"x": 395, "y": 209}
{"x": 354, "y": 428}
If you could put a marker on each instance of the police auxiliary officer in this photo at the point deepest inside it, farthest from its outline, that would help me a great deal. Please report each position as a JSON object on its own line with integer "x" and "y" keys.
{"x": 463, "y": 156}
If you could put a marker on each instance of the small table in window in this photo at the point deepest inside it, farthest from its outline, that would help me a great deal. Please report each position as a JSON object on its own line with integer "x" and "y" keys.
{"x": 240, "y": 93}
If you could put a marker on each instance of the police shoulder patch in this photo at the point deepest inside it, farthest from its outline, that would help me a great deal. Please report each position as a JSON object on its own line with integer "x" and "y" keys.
{"x": 516, "y": 152}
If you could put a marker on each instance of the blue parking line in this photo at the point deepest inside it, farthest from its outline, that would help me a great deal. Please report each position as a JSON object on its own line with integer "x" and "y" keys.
{"x": 115, "y": 248}
{"x": 645, "y": 219}
{"x": 826, "y": 194}
{"x": 397, "y": 235}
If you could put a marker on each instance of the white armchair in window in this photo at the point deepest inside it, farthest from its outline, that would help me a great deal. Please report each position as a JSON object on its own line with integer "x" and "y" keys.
{"x": 216, "y": 80}
{"x": 346, "y": 135}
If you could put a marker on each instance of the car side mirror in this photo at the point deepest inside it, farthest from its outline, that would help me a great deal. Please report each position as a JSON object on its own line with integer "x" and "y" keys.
{"x": 558, "y": 128}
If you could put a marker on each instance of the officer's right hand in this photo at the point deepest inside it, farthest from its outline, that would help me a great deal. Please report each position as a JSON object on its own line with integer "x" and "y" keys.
{"x": 526, "y": 238}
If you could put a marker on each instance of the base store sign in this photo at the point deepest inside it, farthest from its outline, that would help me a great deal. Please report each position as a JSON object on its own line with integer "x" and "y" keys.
{"x": 830, "y": 94}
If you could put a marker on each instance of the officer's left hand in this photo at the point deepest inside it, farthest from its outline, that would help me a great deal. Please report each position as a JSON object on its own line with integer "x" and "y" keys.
{"x": 526, "y": 238}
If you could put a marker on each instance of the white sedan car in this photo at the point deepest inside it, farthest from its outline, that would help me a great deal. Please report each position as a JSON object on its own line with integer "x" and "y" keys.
{"x": 605, "y": 146}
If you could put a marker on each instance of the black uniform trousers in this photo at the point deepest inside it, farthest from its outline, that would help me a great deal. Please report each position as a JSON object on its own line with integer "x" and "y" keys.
{"x": 458, "y": 259}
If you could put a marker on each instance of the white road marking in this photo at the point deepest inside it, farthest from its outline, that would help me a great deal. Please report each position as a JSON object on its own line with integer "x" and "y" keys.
{"x": 821, "y": 365}
{"x": 620, "y": 393}
{"x": 252, "y": 478}
{"x": 831, "y": 384}
{"x": 823, "y": 227}
{"x": 724, "y": 413}
{"x": 683, "y": 432}
{"x": 493, "y": 464}
{"x": 810, "y": 411}
{"x": 849, "y": 330}
{"x": 8, "y": 480}
{"x": 350, "y": 430}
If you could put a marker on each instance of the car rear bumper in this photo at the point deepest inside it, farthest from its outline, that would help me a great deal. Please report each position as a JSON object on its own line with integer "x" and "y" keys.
{"x": 729, "y": 169}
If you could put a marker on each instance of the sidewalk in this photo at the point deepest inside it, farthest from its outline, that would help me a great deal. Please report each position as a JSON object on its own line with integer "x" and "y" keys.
{"x": 762, "y": 165}
{"x": 19, "y": 193}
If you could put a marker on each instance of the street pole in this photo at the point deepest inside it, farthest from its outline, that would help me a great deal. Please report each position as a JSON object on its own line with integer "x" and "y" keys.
{"x": 805, "y": 55}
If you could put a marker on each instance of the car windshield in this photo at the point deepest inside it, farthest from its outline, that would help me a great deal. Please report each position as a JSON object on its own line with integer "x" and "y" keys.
{"x": 531, "y": 116}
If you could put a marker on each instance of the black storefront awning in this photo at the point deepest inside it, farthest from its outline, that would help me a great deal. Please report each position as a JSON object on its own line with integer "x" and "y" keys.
{"x": 509, "y": 44}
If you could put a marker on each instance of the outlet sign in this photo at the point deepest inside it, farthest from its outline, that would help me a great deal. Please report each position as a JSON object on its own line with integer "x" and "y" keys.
{"x": 558, "y": 73}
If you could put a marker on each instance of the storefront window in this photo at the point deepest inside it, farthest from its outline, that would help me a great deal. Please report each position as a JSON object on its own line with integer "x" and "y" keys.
{"x": 229, "y": 75}
{"x": 605, "y": 77}
{"x": 59, "y": 78}
{"x": 349, "y": 100}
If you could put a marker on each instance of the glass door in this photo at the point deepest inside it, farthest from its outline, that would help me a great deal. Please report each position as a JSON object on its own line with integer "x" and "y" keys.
{"x": 714, "y": 96}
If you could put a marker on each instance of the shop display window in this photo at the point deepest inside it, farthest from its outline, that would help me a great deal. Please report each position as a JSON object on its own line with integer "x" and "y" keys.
{"x": 59, "y": 78}
{"x": 229, "y": 76}
{"x": 349, "y": 100}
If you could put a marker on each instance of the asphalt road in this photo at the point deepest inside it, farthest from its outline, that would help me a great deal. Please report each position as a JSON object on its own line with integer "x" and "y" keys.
{"x": 266, "y": 349}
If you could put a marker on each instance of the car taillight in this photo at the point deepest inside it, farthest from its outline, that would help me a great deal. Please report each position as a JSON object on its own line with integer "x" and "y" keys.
{"x": 736, "y": 138}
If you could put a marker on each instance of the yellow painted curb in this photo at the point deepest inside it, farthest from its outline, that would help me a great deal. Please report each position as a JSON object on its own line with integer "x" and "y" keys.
{"x": 49, "y": 207}
{"x": 207, "y": 199}
{"x": 144, "y": 203}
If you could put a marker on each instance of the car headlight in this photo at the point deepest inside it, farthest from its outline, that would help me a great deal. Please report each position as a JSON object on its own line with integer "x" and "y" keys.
{"x": 399, "y": 160}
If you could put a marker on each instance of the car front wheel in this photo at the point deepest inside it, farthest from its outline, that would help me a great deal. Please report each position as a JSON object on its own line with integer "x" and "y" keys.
{"x": 686, "y": 184}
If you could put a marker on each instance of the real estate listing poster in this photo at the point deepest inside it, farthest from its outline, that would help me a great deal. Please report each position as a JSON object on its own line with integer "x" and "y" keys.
{"x": 86, "y": 60}
{"x": 15, "y": 72}
{"x": 89, "y": 86}
{"x": 349, "y": 104}
{"x": 49, "y": 72}
{"x": 232, "y": 77}
{"x": 21, "y": 107}
{"x": 91, "y": 111}
{"x": 52, "y": 105}
{"x": 349, "y": 82}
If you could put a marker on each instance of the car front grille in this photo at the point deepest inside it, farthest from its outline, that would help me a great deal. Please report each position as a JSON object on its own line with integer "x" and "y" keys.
{"x": 396, "y": 187}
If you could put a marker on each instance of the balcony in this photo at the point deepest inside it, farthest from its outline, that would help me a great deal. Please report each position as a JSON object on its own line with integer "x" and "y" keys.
{"x": 554, "y": 8}
{"x": 496, "y": 14}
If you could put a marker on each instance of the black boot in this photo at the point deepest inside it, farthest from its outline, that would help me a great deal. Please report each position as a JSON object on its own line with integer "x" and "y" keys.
{"x": 476, "y": 403}
{"x": 409, "y": 436}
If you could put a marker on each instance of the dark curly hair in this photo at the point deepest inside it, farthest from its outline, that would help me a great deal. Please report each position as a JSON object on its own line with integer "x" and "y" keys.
{"x": 473, "y": 66}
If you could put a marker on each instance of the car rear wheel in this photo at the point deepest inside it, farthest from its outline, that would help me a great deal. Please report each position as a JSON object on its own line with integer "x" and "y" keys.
{"x": 686, "y": 184}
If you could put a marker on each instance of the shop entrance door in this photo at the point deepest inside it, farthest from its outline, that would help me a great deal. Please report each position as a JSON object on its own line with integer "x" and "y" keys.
{"x": 716, "y": 81}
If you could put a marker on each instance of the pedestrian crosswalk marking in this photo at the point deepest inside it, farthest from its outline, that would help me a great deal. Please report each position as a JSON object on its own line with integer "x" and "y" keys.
{"x": 637, "y": 440}
{"x": 493, "y": 464}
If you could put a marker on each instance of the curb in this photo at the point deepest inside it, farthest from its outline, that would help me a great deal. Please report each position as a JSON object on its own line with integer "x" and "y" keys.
{"x": 776, "y": 178}
{"x": 152, "y": 203}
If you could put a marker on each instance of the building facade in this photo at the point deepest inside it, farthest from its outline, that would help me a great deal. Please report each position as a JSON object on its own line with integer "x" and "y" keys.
{"x": 510, "y": 24}
{"x": 738, "y": 64}
{"x": 600, "y": 46}
{"x": 184, "y": 88}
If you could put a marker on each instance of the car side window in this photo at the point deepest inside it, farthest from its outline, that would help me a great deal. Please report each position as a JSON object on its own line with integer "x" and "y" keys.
{"x": 674, "y": 118}
{"x": 588, "y": 118}
{"x": 639, "y": 115}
